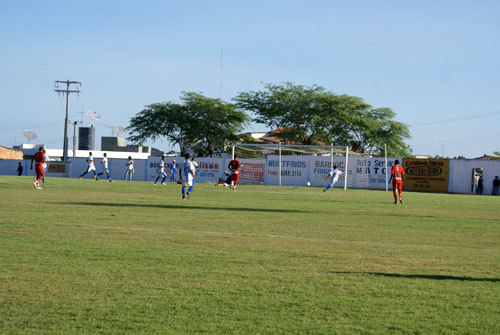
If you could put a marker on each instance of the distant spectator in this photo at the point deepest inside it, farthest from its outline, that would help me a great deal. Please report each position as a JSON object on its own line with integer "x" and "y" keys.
{"x": 19, "y": 169}
{"x": 476, "y": 182}
{"x": 480, "y": 185}
{"x": 496, "y": 184}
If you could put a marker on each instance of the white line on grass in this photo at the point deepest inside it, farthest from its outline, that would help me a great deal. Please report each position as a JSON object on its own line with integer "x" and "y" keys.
{"x": 290, "y": 238}
{"x": 330, "y": 240}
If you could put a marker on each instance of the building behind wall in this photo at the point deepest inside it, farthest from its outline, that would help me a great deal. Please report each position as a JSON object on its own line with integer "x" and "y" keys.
{"x": 86, "y": 136}
{"x": 9, "y": 153}
{"x": 110, "y": 143}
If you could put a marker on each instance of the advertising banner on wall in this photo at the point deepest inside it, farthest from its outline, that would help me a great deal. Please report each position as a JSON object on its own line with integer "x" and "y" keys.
{"x": 362, "y": 172}
{"x": 252, "y": 171}
{"x": 294, "y": 170}
{"x": 428, "y": 175}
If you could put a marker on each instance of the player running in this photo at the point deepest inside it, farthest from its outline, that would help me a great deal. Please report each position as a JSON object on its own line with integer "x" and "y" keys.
{"x": 397, "y": 174}
{"x": 91, "y": 167}
{"x": 334, "y": 175}
{"x": 38, "y": 158}
{"x": 105, "y": 167}
{"x": 161, "y": 171}
{"x": 186, "y": 176}
{"x": 234, "y": 166}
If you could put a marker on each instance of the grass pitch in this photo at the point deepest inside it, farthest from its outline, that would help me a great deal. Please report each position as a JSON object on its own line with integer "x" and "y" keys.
{"x": 87, "y": 257}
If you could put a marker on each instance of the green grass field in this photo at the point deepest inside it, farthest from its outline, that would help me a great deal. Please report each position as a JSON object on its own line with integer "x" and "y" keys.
{"x": 87, "y": 257}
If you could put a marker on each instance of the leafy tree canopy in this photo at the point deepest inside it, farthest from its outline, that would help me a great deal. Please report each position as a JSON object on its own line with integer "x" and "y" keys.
{"x": 199, "y": 124}
{"x": 309, "y": 115}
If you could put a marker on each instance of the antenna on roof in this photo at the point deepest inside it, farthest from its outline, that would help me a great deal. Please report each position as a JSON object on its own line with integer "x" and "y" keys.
{"x": 30, "y": 135}
{"x": 118, "y": 130}
{"x": 93, "y": 116}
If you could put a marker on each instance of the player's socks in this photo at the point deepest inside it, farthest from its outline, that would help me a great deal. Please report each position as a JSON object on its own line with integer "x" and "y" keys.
{"x": 327, "y": 188}
{"x": 400, "y": 200}
{"x": 34, "y": 184}
{"x": 190, "y": 189}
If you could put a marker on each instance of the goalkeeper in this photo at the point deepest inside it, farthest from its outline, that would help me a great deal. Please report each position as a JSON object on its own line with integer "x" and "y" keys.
{"x": 334, "y": 175}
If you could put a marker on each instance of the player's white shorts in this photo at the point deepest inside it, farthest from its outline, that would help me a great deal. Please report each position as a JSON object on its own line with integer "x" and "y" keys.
{"x": 333, "y": 181}
{"x": 187, "y": 180}
{"x": 91, "y": 168}
{"x": 161, "y": 173}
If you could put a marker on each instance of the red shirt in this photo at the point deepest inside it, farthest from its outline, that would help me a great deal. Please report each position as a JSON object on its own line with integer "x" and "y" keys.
{"x": 234, "y": 165}
{"x": 39, "y": 157}
{"x": 397, "y": 173}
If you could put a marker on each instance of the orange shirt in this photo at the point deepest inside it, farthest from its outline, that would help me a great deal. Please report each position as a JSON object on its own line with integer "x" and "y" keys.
{"x": 39, "y": 157}
{"x": 397, "y": 172}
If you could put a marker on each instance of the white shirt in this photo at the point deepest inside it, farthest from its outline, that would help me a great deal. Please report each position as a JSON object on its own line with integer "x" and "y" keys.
{"x": 162, "y": 165}
{"x": 195, "y": 165}
{"x": 104, "y": 162}
{"x": 45, "y": 161}
{"x": 187, "y": 167}
{"x": 335, "y": 174}
{"x": 130, "y": 164}
{"x": 90, "y": 160}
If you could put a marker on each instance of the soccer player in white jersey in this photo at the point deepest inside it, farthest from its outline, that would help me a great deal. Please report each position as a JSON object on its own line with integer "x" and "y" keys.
{"x": 91, "y": 167}
{"x": 45, "y": 165}
{"x": 105, "y": 167}
{"x": 334, "y": 175}
{"x": 186, "y": 175}
{"x": 161, "y": 171}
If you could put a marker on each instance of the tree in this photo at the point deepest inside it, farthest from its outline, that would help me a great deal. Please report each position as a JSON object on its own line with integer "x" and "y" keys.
{"x": 308, "y": 115}
{"x": 199, "y": 124}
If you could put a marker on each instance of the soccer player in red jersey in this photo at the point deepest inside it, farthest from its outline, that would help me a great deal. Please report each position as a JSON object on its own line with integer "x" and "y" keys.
{"x": 39, "y": 158}
{"x": 397, "y": 174}
{"x": 234, "y": 167}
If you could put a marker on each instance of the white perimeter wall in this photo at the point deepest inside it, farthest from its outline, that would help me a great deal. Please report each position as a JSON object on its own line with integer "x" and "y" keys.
{"x": 363, "y": 172}
{"x": 461, "y": 174}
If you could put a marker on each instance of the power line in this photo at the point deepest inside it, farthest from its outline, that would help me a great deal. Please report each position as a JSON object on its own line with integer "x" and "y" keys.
{"x": 454, "y": 120}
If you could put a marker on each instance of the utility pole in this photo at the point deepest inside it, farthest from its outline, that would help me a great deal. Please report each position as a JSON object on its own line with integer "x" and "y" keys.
{"x": 67, "y": 91}
{"x": 75, "y": 123}
{"x": 442, "y": 146}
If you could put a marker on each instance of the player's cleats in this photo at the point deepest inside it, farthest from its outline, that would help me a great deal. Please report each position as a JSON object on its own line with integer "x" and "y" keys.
{"x": 154, "y": 184}
{"x": 80, "y": 177}
{"x": 395, "y": 202}
{"x": 183, "y": 197}
{"x": 95, "y": 177}
{"x": 187, "y": 195}
{"x": 163, "y": 184}
{"x": 110, "y": 180}
{"x": 400, "y": 200}
{"x": 34, "y": 184}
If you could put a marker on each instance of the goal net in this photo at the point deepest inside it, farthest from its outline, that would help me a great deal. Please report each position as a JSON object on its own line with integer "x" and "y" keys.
{"x": 297, "y": 165}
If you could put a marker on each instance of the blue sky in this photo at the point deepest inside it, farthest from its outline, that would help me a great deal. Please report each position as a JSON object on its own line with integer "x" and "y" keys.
{"x": 435, "y": 63}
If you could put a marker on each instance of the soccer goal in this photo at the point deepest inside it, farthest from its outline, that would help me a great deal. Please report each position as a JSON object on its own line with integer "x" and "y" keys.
{"x": 288, "y": 164}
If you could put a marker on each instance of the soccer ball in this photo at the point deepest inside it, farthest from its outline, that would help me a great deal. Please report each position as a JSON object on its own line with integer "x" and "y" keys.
{"x": 308, "y": 184}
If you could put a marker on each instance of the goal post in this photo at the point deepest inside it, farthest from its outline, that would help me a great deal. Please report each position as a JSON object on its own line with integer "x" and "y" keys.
{"x": 293, "y": 164}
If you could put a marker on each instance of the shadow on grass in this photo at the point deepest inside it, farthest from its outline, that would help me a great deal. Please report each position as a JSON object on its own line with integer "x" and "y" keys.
{"x": 419, "y": 276}
{"x": 186, "y": 206}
